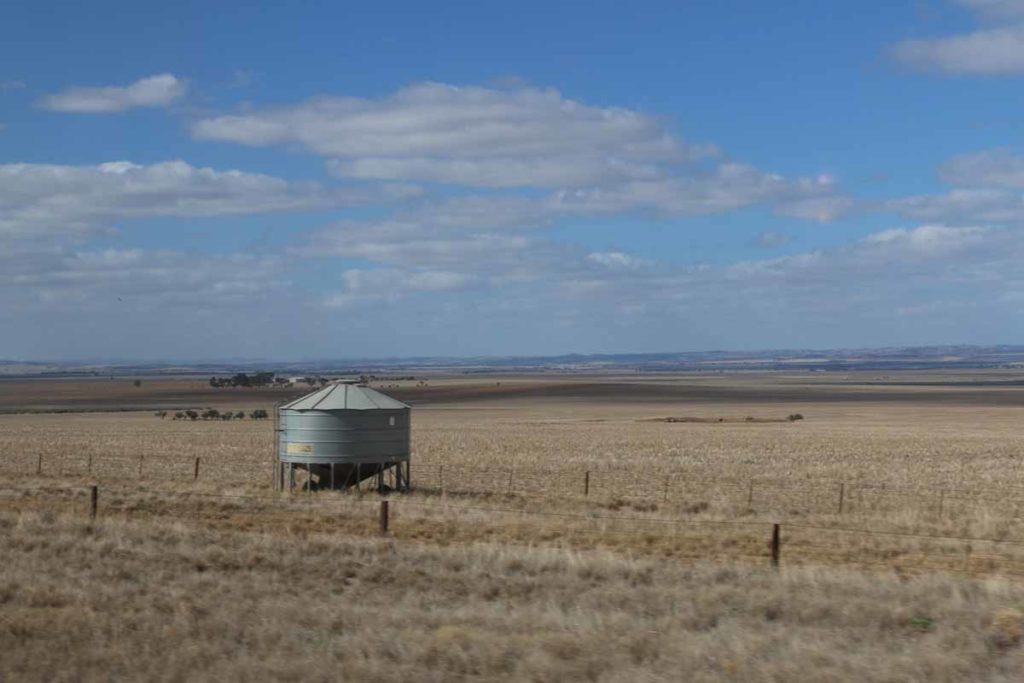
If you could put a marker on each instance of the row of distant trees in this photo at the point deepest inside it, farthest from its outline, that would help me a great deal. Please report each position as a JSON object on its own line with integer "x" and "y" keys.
{"x": 213, "y": 414}
{"x": 259, "y": 379}
{"x": 266, "y": 379}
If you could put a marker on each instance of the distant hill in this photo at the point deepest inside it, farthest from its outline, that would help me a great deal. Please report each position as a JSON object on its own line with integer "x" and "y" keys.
{"x": 894, "y": 358}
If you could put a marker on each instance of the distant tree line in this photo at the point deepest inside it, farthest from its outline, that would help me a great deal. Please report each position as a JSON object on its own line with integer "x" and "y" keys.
{"x": 264, "y": 379}
{"x": 214, "y": 414}
{"x": 259, "y": 379}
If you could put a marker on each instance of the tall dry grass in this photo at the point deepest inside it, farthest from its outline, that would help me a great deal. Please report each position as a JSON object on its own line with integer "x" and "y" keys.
{"x": 499, "y": 567}
{"x": 175, "y": 601}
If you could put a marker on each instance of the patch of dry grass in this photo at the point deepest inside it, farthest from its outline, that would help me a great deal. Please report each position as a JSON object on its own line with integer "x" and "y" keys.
{"x": 172, "y": 601}
{"x": 512, "y": 572}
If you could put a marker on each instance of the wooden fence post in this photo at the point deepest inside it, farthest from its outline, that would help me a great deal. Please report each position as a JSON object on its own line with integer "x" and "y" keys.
{"x": 195, "y": 471}
{"x": 140, "y": 465}
{"x": 942, "y": 498}
{"x": 94, "y": 498}
{"x": 90, "y": 463}
{"x": 511, "y": 473}
{"x": 384, "y": 518}
{"x": 586, "y": 483}
{"x": 440, "y": 476}
{"x": 750, "y": 495}
{"x": 776, "y": 543}
{"x": 842, "y": 494}
{"x": 39, "y": 464}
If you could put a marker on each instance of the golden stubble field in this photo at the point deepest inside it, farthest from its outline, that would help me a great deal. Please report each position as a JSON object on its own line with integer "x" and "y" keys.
{"x": 576, "y": 477}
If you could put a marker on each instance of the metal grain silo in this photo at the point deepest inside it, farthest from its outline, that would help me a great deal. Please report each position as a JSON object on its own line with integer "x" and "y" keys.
{"x": 344, "y": 434}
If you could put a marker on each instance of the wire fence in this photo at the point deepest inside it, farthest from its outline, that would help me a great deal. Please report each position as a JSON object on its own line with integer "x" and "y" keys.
{"x": 692, "y": 493}
{"x": 696, "y": 540}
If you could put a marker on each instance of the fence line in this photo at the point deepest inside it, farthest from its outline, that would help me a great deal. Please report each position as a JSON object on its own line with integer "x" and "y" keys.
{"x": 821, "y": 495}
{"x": 781, "y": 540}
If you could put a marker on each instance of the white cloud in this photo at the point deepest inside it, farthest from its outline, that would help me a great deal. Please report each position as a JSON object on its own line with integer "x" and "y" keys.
{"x": 490, "y": 237}
{"x": 990, "y": 168}
{"x": 998, "y": 50}
{"x": 995, "y": 51}
{"x": 727, "y": 187}
{"x": 995, "y": 9}
{"x": 594, "y": 160}
{"x": 878, "y": 275}
{"x": 160, "y": 90}
{"x": 772, "y": 240}
{"x": 56, "y": 277}
{"x": 549, "y": 171}
{"x": 982, "y": 205}
{"x": 466, "y": 135}
{"x": 823, "y": 209}
{"x": 988, "y": 191}
{"x": 368, "y": 286}
{"x": 39, "y": 199}
{"x": 49, "y": 214}
{"x": 617, "y": 259}
{"x": 932, "y": 251}
{"x": 928, "y": 241}
{"x": 408, "y": 248}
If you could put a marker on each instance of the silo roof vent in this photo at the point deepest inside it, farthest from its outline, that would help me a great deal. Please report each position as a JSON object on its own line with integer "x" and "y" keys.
{"x": 345, "y": 397}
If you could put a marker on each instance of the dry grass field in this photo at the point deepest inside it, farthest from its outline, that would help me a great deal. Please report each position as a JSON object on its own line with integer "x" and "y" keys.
{"x": 559, "y": 529}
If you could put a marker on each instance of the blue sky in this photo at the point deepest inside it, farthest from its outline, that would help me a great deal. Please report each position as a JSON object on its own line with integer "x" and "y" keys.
{"x": 330, "y": 180}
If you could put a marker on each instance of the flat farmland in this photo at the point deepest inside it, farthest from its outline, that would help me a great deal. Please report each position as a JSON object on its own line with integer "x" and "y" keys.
{"x": 121, "y": 394}
{"x": 915, "y": 431}
{"x": 901, "y": 492}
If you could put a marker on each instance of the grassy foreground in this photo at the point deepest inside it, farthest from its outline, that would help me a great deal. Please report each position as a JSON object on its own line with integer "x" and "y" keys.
{"x": 161, "y": 600}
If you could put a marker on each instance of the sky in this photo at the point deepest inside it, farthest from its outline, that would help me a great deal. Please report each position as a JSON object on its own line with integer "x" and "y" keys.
{"x": 197, "y": 181}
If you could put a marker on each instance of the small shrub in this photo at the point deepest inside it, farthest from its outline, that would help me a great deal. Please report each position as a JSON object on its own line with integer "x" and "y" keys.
{"x": 1007, "y": 629}
{"x": 794, "y": 417}
{"x": 923, "y": 624}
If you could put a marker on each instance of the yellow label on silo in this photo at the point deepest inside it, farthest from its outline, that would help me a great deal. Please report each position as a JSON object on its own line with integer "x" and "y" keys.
{"x": 300, "y": 449}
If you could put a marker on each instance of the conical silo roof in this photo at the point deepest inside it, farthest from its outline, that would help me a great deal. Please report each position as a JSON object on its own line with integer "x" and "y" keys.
{"x": 345, "y": 397}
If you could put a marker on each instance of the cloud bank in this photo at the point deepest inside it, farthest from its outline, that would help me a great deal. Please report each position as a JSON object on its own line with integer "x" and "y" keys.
{"x": 160, "y": 90}
{"x": 994, "y": 51}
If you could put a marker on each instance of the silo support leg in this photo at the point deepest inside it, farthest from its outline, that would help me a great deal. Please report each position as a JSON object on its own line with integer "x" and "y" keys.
{"x": 332, "y": 476}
